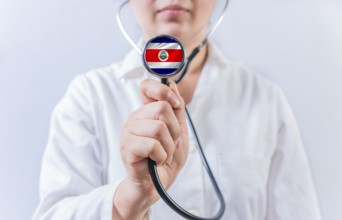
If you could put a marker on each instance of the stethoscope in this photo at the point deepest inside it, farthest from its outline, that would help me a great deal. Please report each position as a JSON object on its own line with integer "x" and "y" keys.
{"x": 163, "y": 48}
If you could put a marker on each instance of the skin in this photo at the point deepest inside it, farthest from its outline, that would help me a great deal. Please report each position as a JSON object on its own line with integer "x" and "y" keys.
{"x": 158, "y": 128}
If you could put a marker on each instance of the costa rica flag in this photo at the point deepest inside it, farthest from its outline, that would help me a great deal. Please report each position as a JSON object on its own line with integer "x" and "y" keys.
{"x": 164, "y": 56}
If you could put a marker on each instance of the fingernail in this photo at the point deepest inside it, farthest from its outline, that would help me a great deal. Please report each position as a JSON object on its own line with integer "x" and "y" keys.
{"x": 173, "y": 86}
{"x": 174, "y": 100}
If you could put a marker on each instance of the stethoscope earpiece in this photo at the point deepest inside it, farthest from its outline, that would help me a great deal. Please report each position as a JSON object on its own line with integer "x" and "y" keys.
{"x": 163, "y": 56}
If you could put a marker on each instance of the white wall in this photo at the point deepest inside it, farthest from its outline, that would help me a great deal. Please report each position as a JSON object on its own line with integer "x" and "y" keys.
{"x": 44, "y": 44}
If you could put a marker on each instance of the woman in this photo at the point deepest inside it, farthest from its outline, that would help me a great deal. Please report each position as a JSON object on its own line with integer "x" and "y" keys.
{"x": 112, "y": 119}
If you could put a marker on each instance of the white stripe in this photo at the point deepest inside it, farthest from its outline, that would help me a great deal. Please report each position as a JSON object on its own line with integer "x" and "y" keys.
{"x": 163, "y": 46}
{"x": 163, "y": 65}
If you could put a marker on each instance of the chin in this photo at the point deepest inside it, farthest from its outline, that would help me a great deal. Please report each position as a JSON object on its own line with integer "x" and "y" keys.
{"x": 173, "y": 30}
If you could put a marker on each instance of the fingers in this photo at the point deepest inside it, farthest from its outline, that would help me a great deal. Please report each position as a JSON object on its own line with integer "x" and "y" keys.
{"x": 162, "y": 118}
{"x": 182, "y": 149}
{"x": 180, "y": 112}
{"x": 134, "y": 148}
{"x": 158, "y": 130}
{"x": 159, "y": 111}
{"x": 152, "y": 90}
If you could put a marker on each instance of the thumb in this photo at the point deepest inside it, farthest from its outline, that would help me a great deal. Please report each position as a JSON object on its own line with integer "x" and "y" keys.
{"x": 179, "y": 110}
{"x": 182, "y": 148}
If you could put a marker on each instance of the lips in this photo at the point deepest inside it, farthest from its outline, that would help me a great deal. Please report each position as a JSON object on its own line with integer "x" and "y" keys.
{"x": 173, "y": 8}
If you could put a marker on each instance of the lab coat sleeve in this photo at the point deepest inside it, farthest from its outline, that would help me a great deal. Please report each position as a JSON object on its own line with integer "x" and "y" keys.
{"x": 291, "y": 193}
{"x": 73, "y": 167}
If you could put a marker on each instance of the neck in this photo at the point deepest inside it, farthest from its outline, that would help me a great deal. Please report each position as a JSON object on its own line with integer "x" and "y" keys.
{"x": 197, "y": 63}
{"x": 188, "y": 84}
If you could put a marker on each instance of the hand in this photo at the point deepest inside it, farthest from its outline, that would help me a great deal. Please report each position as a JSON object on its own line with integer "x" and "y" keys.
{"x": 157, "y": 130}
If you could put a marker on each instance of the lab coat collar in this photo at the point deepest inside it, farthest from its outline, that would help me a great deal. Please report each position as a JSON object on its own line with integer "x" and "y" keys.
{"x": 132, "y": 63}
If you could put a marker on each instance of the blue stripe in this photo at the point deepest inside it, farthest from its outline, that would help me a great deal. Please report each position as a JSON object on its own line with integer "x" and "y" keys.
{"x": 164, "y": 71}
{"x": 163, "y": 40}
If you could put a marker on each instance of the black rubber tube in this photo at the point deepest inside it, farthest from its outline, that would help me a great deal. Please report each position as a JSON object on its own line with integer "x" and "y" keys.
{"x": 165, "y": 196}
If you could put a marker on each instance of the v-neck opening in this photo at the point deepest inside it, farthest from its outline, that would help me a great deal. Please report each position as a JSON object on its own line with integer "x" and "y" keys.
{"x": 201, "y": 87}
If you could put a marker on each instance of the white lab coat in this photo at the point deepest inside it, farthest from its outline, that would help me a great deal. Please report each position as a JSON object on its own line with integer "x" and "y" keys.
{"x": 243, "y": 120}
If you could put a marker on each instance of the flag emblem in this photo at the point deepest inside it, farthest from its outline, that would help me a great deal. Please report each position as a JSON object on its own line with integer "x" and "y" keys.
{"x": 163, "y": 56}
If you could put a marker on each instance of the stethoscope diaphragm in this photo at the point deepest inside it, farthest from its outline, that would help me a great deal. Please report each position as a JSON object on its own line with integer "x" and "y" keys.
{"x": 163, "y": 56}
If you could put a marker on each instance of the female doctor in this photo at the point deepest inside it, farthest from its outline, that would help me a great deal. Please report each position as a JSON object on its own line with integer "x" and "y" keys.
{"x": 111, "y": 120}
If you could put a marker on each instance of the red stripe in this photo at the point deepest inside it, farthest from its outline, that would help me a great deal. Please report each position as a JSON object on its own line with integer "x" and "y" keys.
{"x": 151, "y": 55}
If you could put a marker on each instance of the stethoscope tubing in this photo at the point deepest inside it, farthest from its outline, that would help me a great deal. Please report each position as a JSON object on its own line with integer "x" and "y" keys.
{"x": 166, "y": 197}
{"x": 135, "y": 46}
{"x": 151, "y": 164}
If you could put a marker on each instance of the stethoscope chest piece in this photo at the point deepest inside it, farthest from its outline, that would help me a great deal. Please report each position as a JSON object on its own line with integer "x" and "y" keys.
{"x": 163, "y": 56}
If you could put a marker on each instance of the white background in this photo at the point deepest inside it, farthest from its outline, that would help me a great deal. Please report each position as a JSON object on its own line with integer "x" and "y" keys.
{"x": 44, "y": 44}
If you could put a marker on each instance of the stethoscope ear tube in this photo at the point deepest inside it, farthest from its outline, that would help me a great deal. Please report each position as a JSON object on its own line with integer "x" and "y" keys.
{"x": 135, "y": 46}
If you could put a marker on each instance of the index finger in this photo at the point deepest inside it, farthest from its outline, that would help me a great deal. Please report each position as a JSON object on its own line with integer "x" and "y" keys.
{"x": 152, "y": 90}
